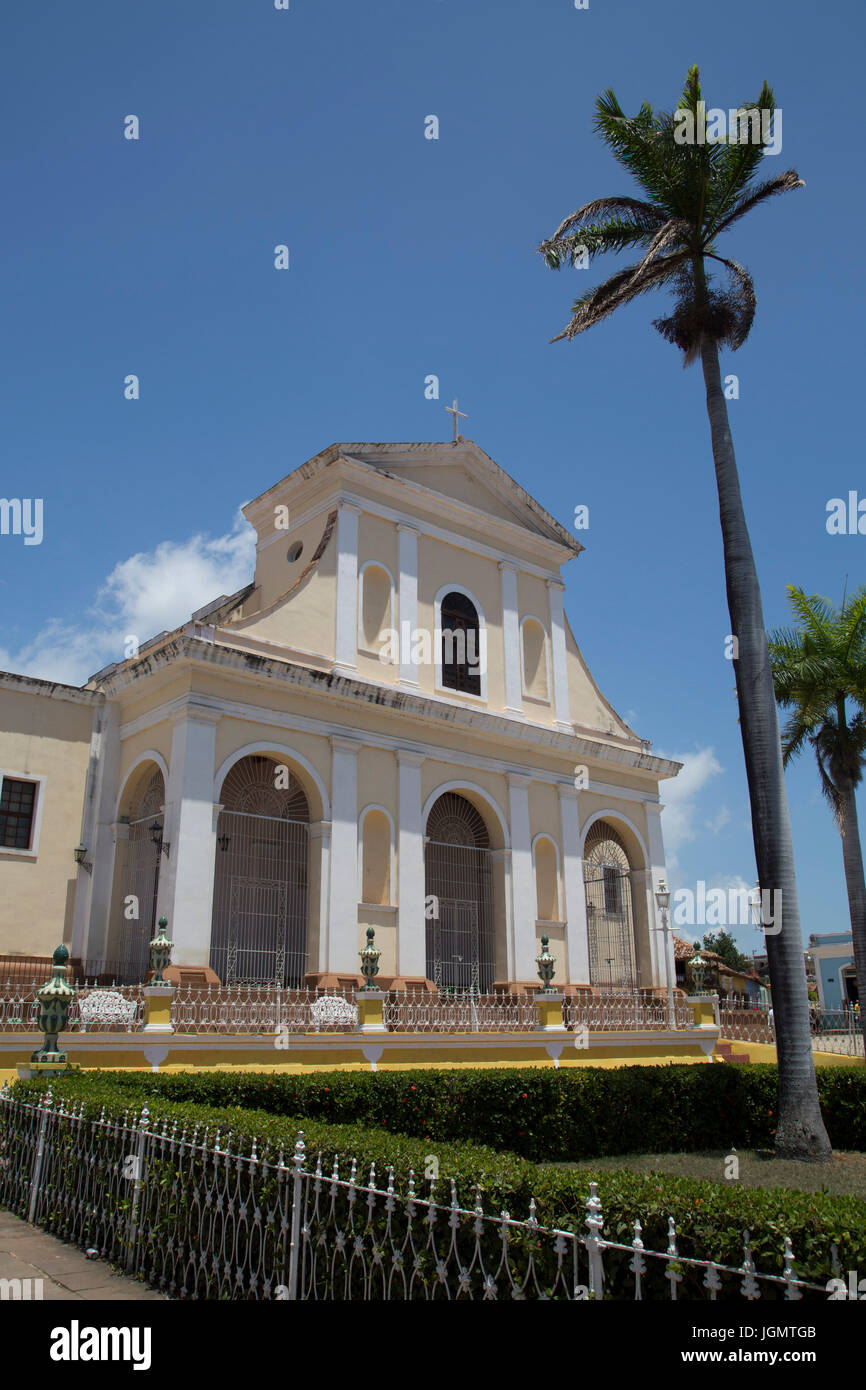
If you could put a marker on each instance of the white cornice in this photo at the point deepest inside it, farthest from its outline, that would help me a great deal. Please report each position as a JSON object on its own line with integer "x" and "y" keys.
{"x": 424, "y": 710}
{"x": 49, "y": 690}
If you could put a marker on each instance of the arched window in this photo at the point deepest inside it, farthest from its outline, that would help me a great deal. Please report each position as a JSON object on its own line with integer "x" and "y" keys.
{"x": 535, "y": 681}
{"x": 460, "y": 932}
{"x": 461, "y": 644}
{"x": 259, "y": 929}
{"x": 610, "y": 920}
{"x": 546, "y": 880}
{"x": 376, "y": 857}
{"x": 375, "y": 616}
{"x": 139, "y": 866}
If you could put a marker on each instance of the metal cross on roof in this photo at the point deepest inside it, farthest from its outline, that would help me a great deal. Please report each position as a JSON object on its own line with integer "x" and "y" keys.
{"x": 452, "y": 410}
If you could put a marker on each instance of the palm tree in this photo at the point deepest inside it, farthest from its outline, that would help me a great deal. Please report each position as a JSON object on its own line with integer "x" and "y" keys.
{"x": 693, "y": 193}
{"x": 819, "y": 669}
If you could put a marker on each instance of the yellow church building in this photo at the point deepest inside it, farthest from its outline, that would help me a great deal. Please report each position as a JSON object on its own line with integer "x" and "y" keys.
{"x": 391, "y": 725}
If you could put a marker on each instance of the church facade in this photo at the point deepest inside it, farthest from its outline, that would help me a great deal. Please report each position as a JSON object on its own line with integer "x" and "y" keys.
{"x": 390, "y": 726}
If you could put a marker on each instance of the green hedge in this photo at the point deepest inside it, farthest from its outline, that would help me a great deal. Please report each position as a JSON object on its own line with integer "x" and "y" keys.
{"x": 543, "y": 1115}
{"x": 710, "y": 1217}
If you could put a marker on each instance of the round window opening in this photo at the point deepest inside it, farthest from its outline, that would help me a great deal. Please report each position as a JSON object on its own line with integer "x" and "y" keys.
{"x": 294, "y": 552}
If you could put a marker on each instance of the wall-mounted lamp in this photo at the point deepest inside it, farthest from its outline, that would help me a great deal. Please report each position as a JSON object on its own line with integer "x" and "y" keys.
{"x": 156, "y": 837}
{"x": 80, "y": 856}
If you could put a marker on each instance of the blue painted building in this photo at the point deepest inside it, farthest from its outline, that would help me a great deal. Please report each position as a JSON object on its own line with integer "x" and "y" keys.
{"x": 835, "y": 975}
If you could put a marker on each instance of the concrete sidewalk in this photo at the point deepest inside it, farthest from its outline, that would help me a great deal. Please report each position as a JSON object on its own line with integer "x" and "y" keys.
{"x": 26, "y": 1252}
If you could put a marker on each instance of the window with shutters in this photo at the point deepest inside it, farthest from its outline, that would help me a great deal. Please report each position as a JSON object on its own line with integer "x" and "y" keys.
{"x": 19, "y": 798}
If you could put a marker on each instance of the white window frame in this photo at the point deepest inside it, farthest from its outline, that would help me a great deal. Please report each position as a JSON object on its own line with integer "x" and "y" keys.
{"x": 36, "y": 824}
{"x": 362, "y": 650}
{"x": 482, "y": 643}
{"x": 525, "y": 691}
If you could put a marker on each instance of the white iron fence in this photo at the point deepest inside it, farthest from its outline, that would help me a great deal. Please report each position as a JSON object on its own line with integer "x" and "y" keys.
{"x": 746, "y": 1025}
{"x": 623, "y": 1011}
{"x": 838, "y": 1031}
{"x": 200, "y": 1221}
{"x": 263, "y": 1009}
{"x": 120, "y": 1007}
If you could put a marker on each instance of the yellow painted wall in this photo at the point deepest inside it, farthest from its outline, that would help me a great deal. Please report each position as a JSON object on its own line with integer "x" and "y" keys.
{"x": 44, "y": 737}
{"x": 307, "y": 619}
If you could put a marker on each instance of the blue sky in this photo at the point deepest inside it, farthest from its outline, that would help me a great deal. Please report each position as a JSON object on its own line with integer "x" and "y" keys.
{"x": 409, "y": 257}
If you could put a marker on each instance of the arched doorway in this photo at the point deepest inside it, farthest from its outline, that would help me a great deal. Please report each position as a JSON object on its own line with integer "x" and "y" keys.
{"x": 140, "y": 863}
{"x": 609, "y": 909}
{"x": 259, "y": 929}
{"x": 460, "y": 939}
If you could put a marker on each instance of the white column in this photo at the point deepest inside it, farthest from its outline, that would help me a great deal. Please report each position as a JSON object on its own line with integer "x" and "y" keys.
{"x": 655, "y": 874}
{"x": 511, "y": 638}
{"x": 343, "y": 950}
{"x": 411, "y": 923}
{"x": 522, "y": 885}
{"x": 90, "y": 933}
{"x": 577, "y": 936}
{"x": 408, "y": 602}
{"x": 555, "y": 589}
{"x": 320, "y": 834}
{"x": 503, "y": 857}
{"x": 189, "y": 828}
{"x": 346, "y": 645}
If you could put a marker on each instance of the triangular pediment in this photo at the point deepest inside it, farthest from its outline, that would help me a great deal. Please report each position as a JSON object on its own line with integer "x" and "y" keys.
{"x": 463, "y": 473}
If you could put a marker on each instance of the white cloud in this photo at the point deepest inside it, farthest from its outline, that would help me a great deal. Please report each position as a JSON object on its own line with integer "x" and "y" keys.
{"x": 719, "y": 820}
{"x": 680, "y": 794}
{"x": 151, "y": 591}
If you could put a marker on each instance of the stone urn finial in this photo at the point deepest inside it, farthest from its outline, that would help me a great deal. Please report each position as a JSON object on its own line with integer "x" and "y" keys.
{"x": 160, "y": 953}
{"x": 55, "y": 997}
{"x": 370, "y": 960}
{"x": 696, "y": 969}
{"x": 546, "y": 967}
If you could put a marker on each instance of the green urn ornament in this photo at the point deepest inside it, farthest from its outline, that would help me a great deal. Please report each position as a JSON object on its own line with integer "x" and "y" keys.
{"x": 546, "y": 967}
{"x": 54, "y": 997}
{"x": 370, "y": 960}
{"x": 160, "y": 953}
{"x": 696, "y": 968}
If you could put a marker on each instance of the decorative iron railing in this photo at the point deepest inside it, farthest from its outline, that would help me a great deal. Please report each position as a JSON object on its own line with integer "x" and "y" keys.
{"x": 263, "y": 1009}
{"x": 93, "y": 1010}
{"x": 623, "y": 1011}
{"x": 417, "y": 1012}
{"x": 746, "y": 1025}
{"x": 198, "y": 1220}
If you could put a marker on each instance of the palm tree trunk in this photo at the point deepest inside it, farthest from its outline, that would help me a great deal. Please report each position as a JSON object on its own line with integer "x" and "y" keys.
{"x": 800, "y": 1131}
{"x": 852, "y": 857}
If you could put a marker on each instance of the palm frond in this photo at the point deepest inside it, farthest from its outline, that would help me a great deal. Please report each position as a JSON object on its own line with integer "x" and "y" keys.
{"x": 633, "y": 207}
{"x": 740, "y": 298}
{"x": 617, "y": 234}
{"x": 782, "y": 183}
{"x": 597, "y": 304}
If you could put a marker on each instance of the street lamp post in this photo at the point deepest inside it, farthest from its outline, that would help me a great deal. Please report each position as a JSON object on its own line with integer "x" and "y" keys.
{"x": 663, "y": 899}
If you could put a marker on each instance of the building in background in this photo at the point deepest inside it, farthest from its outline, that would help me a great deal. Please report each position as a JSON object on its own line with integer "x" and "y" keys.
{"x": 835, "y": 974}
